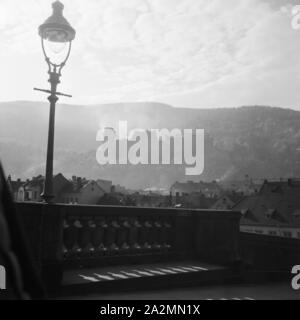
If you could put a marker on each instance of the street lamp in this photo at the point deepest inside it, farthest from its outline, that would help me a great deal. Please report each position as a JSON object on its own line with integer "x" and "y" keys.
{"x": 56, "y": 36}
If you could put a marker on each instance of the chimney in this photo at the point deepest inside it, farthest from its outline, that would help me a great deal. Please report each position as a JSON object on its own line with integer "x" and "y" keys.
{"x": 79, "y": 182}
{"x": 74, "y": 182}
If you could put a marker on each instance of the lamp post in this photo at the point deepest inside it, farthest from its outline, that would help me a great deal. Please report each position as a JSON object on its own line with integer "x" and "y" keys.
{"x": 56, "y": 37}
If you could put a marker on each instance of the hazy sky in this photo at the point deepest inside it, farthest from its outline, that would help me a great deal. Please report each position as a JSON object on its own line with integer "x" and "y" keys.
{"x": 189, "y": 53}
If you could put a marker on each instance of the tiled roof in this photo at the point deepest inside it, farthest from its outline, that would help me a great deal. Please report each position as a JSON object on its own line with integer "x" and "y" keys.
{"x": 71, "y": 188}
{"x": 34, "y": 182}
{"x": 76, "y": 188}
{"x": 15, "y": 185}
{"x": 189, "y": 187}
{"x": 277, "y": 204}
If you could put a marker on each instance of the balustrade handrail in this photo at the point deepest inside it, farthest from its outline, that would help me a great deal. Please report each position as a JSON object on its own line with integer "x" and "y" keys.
{"x": 133, "y": 210}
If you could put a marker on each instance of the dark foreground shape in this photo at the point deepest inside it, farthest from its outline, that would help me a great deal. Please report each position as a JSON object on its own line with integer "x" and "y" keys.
{"x": 23, "y": 281}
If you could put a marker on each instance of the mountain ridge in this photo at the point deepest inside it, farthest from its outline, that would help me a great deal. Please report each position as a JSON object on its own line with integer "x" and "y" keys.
{"x": 260, "y": 141}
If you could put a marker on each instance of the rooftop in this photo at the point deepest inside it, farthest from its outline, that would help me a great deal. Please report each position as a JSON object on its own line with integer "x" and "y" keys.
{"x": 276, "y": 204}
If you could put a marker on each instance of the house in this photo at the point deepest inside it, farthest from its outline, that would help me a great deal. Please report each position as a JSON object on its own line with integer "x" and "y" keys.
{"x": 227, "y": 201}
{"x": 105, "y": 185}
{"x": 32, "y": 189}
{"x": 208, "y": 189}
{"x": 195, "y": 200}
{"x": 120, "y": 189}
{"x": 151, "y": 199}
{"x": 273, "y": 211}
{"x": 246, "y": 187}
{"x": 117, "y": 199}
{"x": 223, "y": 203}
{"x": 82, "y": 191}
{"x": 14, "y": 187}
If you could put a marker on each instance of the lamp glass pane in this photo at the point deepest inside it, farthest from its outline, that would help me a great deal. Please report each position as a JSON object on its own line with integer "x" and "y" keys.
{"x": 57, "y": 47}
{"x": 56, "y": 51}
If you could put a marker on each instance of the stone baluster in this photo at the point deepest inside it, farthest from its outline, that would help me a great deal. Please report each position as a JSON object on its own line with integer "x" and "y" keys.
{"x": 85, "y": 239}
{"x": 122, "y": 235}
{"x": 167, "y": 235}
{"x": 98, "y": 237}
{"x": 110, "y": 237}
{"x": 134, "y": 236}
{"x": 77, "y": 248}
{"x": 157, "y": 235}
{"x": 142, "y": 236}
{"x": 67, "y": 240}
{"x": 70, "y": 237}
{"x": 148, "y": 227}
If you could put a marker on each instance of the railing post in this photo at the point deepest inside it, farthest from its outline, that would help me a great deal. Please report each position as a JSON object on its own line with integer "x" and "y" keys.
{"x": 217, "y": 236}
{"x": 52, "y": 245}
{"x": 184, "y": 234}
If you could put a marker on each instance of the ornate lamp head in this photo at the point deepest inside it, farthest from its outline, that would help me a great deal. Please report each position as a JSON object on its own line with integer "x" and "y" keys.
{"x": 57, "y": 35}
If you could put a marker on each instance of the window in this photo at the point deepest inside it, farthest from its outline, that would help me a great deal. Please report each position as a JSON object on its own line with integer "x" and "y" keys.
{"x": 287, "y": 234}
{"x": 245, "y": 212}
{"x": 259, "y": 231}
{"x": 270, "y": 214}
{"x": 273, "y": 233}
{"x": 277, "y": 189}
{"x": 296, "y": 213}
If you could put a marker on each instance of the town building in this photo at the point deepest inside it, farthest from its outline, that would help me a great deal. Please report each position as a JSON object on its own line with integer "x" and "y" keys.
{"x": 246, "y": 187}
{"x": 273, "y": 211}
{"x": 223, "y": 203}
{"x": 32, "y": 189}
{"x": 82, "y": 191}
{"x": 14, "y": 186}
{"x": 120, "y": 189}
{"x": 208, "y": 189}
{"x": 195, "y": 200}
{"x": 227, "y": 201}
{"x": 105, "y": 185}
{"x": 151, "y": 199}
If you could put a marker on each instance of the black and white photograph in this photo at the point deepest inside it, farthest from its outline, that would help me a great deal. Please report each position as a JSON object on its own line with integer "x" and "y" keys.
{"x": 149, "y": 154}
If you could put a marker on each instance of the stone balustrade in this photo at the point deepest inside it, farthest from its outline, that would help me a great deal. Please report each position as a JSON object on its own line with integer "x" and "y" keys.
{"x": 88, "y": 236}
{"x": 74, "y": 236}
